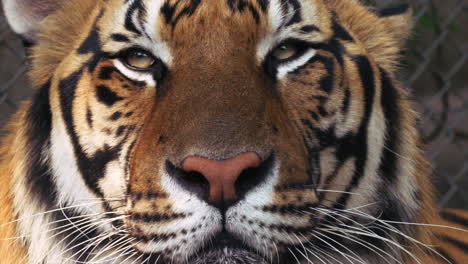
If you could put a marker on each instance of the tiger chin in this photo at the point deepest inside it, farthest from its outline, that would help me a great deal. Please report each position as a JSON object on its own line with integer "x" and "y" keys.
{"x": 217, "y": 131}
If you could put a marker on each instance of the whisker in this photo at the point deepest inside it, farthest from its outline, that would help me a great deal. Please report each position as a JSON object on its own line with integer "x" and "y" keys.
{"x": 83, "y": 249}
{"x": 324, "y": 252}
{"x": 48, "y": 212}
{"x": 89, "y": 240}
{"x": 123, "y": 240}
{"x": 315, "y": 255}
{"x": 294, "y": 255}
{"x": 45, "y": 231}
{"x": 126, "y": 250}
{"x": 384, "y": 224}
{"x": 346, "y": 256}
{"x": 352, "y": 253}
{"x": 303, "y": 255}
{"x": 369, "y": 246}
{"x": 386, "y": 240}
{"x": 277, "y": 252}
{"x": 303, "y": 247}
{"x": 415, "y": 224}
{"x": 335, "y": 191}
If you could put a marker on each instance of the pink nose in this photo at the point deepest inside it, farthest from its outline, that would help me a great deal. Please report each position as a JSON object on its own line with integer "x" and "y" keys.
{"x": 222, "y": 174}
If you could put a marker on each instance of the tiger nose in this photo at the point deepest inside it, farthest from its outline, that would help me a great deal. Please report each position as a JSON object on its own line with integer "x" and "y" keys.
{"x": 222, "y": 174}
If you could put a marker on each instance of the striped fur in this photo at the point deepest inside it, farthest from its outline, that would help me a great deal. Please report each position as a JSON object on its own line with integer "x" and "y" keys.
{"x": 90, "y": 167}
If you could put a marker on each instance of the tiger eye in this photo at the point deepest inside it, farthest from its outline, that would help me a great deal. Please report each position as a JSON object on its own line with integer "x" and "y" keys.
{"x": 284, "y": 52}
{"x": 139, "y": 60}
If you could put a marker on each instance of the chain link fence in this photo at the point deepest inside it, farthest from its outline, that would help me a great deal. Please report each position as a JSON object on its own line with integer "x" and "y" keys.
{"x": 435, "y": 67}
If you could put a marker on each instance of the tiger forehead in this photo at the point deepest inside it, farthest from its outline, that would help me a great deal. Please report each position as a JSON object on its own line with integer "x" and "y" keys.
{"x": 193, "y": 21}
{"x": 212, "y": 23}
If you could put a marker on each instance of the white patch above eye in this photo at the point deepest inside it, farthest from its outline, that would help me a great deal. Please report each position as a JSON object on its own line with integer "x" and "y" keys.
{"x": 135, "y": 75}
{"x": 161, "y": 49}
{"x": 288, "y": 67}
{"x": 275, "y": 15}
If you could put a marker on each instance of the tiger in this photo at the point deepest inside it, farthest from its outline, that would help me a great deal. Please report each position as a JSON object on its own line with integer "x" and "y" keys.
{"x": 218, "y": 132}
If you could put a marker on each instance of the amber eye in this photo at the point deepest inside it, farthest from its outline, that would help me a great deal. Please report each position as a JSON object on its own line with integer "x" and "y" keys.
{"x": 285, "y": 51}
{"x": 139, "y": 60}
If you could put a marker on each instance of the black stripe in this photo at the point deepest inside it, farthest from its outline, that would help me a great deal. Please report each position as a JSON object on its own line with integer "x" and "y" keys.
{"x": 284, "y": 7}
{"x": 394, "y": 11}
{"x": 340, "y": 32}
{"x": 451, "y": 217}
{"x": 322, "y": 111}
{"x": 115, "y": 116}
{"x": 444, "y": 254}
{"x": 314, "y": 115}
{"x": 296, "y": 7}
{"x": 391, "y": 208}
{"x": 142, "y": 16}
{"x": 327, "y": 82}
{"x": 360, "y": 149}
{"x": 455, "y": 242}
{"x": 309, "y": 127}
{"x": 187, "y": 11}
{"x": 241, "y": 6}
{"x": 314, "y": 169}
{"x": 89, "y": 117}
{"x": 254, "y": 12}
{"x": 120, "y": 37}
{"x": 106, "y": 96}
{"x": 336, "y": 48}
{"x": 39, "y": 123}
{"x": 263, "y": 4}
{"x": 155, "y": 217}
{"x": 136, "y": 6}
{"x": 120, "y": 131}
{"x": 346, "y": 100}
{"x": 168, "y": 11}
{"x": 231, "y": 4}
{"x": 91, "y": 43}
{"x": 105, "y": 72}
{"x": 389, "y": 101}
{"x": 310, "y": 28}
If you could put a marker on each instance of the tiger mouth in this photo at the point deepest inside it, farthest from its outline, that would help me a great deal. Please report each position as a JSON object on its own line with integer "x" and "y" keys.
{"x": 226, "y": 249}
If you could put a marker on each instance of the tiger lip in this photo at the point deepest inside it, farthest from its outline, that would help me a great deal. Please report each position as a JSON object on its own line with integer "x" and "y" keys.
{"x": 223, "y": 241}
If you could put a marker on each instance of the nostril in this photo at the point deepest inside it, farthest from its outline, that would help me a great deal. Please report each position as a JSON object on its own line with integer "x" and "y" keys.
{"x": 194, "y": 177}
{"x": 192, "y": 181}
{"x": 252, "y": 177}
{"x": 247, "y": 176}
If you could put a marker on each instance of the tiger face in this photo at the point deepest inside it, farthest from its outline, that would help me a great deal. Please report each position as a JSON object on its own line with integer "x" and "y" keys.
{"x": 188, "y": 131}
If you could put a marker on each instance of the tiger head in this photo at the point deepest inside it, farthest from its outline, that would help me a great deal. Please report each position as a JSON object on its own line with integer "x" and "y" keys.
{"x": 219, "y": 131}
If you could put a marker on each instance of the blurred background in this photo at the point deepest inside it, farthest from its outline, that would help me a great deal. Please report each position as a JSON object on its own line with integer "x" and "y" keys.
{"x": 435, "y": 69}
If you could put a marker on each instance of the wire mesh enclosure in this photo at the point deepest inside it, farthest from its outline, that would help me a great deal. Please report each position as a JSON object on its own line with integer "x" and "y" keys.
{"x": 434, "y": 68}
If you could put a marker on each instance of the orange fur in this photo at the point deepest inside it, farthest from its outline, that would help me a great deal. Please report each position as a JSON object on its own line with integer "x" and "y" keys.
{"x": 382, "y": 37}
{"x": 12, "y": 249}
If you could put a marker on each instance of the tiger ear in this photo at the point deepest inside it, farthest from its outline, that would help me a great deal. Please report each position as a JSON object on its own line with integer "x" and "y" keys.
{"x": 398, "y": 20}
{"x": 24, "y": 16}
